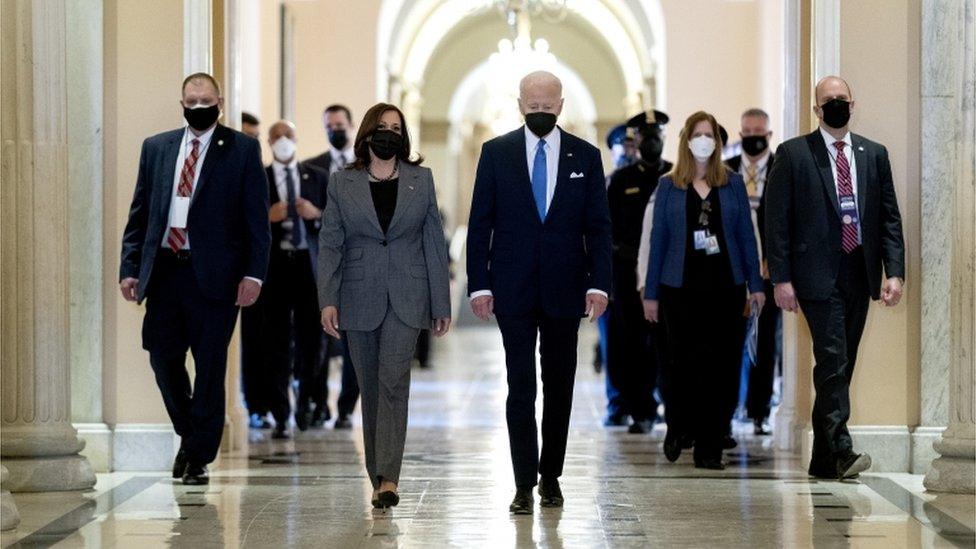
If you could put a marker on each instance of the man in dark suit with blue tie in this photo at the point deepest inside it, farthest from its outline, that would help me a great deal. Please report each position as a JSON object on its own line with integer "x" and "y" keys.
{"x": 196, "y": 249}
{"x": 832, "y": 225}
{"x": 539, "y": 259}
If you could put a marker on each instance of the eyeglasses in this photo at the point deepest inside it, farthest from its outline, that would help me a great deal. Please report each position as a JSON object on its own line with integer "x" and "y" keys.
{"x": 706, "y": 209}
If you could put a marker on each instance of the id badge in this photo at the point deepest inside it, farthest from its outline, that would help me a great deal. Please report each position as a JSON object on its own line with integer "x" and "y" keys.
{"x": 700, "y": 238}
{"x": 848, "y": 209}
{"x": 178, "y": 212}
{"x": 711, "y": 245}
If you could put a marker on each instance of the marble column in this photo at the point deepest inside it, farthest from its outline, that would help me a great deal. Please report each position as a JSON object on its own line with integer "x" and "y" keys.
{"x": 9, "y": 517}
{"x": 39, "y": 445}
{"x": 949, "y": 89}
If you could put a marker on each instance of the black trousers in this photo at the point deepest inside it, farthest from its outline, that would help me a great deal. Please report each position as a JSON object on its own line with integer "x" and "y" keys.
{"x": 313, "y": 386}
{"x": 253, "y": 359}
{"x": 836, "y": 325}
{"x": 631, "y": 354}
{"x": 180, "y": 318}
{"x": 703, "y": 329}
{"x": 764, "y": 370}
{"x": 557, "y": 347}
{"x": 291, "y": 315}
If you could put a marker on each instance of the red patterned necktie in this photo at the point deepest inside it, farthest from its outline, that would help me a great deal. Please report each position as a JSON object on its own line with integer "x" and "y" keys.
{"x": 845, "y": 188}
{"x": 177, "y": 237}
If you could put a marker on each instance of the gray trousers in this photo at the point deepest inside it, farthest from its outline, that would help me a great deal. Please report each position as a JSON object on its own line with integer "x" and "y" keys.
{"x": 382, "y": 361}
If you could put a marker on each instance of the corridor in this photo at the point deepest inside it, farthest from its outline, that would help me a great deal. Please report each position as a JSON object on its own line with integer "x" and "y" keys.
{"x": 620, "y": 491}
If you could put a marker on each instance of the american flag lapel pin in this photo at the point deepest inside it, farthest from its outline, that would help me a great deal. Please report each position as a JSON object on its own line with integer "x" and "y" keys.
{"x": 220, "y": 142}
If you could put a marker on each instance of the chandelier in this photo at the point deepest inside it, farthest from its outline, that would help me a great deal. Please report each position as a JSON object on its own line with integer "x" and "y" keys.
{"x": 516, "y": 57}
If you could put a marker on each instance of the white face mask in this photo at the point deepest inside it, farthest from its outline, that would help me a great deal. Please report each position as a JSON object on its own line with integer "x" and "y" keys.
{"x": 283, "y": 149}
{"x": 702, "y": 147}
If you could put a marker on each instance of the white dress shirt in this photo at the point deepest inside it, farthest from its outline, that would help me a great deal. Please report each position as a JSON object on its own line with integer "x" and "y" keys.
{"x": 553, "y": 140}
{"x": 281, "y": 183}
{"x": 849, "y": 153}
{"x": 185, "y": 150}
{"x": 340, "y": 159}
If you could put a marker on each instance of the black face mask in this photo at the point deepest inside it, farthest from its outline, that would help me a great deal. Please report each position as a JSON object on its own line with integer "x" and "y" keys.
{"x": 338, "y": 139}
{"x": 540, "y": 123}
{"x": 754, "y": 145}
{"x": 201, "y": 118}
{"x": 385, "y": 144}
{"x": 650, "y": 149}
{"x": 836, "y": 113}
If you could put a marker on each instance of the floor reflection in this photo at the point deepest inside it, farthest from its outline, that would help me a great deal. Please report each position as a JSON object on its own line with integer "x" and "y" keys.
{"x": 457, "y": 483}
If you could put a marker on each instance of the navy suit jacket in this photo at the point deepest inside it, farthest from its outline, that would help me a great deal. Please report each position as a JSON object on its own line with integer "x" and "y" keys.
{"x": 669, "y": 236}
{"x": 313, "y": 184}
{"x": 228, "y": 219}
{"x": 528, "y": 263}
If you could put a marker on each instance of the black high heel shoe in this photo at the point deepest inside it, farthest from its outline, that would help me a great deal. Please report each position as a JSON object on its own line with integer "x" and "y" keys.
{"x": 386, "y": 499}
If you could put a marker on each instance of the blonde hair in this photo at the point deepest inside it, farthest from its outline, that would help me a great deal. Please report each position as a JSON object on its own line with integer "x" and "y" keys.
{"x": 684, "y": 170}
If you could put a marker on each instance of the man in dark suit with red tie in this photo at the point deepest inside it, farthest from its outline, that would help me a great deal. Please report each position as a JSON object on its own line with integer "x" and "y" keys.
{"x": 832, "y": 224}
{"x": 539, "y": 259}
{"x": 196, "y": 249}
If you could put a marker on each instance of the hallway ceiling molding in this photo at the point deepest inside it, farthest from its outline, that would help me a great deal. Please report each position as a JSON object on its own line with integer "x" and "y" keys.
{"x": 410, "y": 31}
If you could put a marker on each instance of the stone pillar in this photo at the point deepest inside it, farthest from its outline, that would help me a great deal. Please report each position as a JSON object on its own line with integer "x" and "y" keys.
{"x": 39, "y": 445}
{"x": 949, "y": 88}
{"x": 9, "y": 517}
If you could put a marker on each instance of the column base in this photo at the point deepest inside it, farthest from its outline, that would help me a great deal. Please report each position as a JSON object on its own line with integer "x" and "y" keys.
{"x": 49, "y": 474}
{"x": 9, "y": 518}
{"x": 955, "y": 470}
{"x": 923, "y": 450}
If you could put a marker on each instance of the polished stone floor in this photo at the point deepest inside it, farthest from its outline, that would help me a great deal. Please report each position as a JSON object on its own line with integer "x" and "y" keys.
{"x": 457, "y": 483}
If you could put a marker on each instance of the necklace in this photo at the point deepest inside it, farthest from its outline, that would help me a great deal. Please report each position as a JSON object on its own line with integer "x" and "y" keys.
{"x": 396, "y": 169}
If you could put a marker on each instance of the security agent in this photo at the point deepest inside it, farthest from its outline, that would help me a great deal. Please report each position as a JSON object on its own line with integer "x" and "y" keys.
{"x": 630, "y": 342}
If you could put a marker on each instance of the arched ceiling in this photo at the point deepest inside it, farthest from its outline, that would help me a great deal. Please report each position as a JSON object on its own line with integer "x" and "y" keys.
{"x": 573, "y": 41}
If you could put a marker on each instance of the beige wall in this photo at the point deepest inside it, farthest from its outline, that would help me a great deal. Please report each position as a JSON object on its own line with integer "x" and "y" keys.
{"x": 716, "y": 62}
{"x": 880, "y": 52}
{"x": 143, "y": 71}
{"x": 335, "y": 49}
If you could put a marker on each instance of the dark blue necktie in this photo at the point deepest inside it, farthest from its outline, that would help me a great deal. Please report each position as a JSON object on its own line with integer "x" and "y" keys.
{"x": 540, "y": 179}
{"x": 296, "y": 235}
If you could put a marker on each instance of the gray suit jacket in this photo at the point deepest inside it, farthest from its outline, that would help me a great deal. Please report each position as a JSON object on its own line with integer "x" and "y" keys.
{"x": 361, "y": 270}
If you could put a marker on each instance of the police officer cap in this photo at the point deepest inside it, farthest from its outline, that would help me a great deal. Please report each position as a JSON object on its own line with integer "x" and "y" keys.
{"x": 647, "y": 120}
{"x": 617, "y": 136}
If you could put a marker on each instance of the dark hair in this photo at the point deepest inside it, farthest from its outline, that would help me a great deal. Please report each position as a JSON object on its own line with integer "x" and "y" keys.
{"x": 336, "y": 107}
{"x": 200, "y": 76}
{"x": 371, "y": 122}
{"x": 248, "y": 118}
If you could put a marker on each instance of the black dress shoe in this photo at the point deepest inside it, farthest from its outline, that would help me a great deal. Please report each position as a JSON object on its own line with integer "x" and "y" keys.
{"x": 281, "y": 433}
{"x": 522, "y": 504}
{"x": 640, "y": 427}
{"x": 758, "y": 428}
{"x": 714, "y": 464}
{"x": 302, "y": 417}
{"x": 319, "y": 417}
{"x": 728, "y": 442}
{"x": 387, "y": 499}
{"x": 549, "y": 493}
{"x": 852, "y": 465}
{"x": 672, "y": 446}
{"x": 342, "y": 423}
{"x": 179, "y": 464}
{"x": 196, "y": 475}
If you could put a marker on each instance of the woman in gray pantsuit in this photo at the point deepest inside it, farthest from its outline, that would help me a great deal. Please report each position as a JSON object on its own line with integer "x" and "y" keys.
{"x": 383, "y": 271}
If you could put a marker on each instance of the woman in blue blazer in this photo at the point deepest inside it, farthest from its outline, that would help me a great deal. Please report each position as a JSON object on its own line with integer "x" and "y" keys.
{"x": 703, "y": 256}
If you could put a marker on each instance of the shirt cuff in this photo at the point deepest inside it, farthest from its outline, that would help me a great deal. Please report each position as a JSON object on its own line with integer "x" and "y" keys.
{"x": 598, "y": 292}
{"x": 258, "y": 280}
{"x": 480, "y": 293}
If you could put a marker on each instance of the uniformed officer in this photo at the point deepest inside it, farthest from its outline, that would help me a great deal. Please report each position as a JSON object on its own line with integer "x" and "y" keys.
{"x": 630, "y": 344}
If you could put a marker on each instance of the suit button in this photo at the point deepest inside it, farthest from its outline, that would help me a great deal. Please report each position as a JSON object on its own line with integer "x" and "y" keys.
{"x": 383, "y": 243}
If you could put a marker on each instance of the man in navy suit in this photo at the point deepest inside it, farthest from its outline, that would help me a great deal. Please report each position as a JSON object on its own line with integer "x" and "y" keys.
{"x": 195, "y": 248}
{"x": 539, "y": 256}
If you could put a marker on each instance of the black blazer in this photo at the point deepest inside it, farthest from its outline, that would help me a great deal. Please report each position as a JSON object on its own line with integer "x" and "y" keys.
{"x": 803, "y": 226}
{"x": 228, "y": 218}
{"x": 525, "y": 262}
{"x": 322, "y": 162}
{"x": 313, "y": 183}
{"x": 735, "y": 164}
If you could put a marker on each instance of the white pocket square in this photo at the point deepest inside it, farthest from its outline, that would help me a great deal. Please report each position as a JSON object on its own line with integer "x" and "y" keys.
{"x": 576, "y": 175}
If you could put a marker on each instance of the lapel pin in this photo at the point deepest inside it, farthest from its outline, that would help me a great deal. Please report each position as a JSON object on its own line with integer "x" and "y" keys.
{"x": 860, "y": 149}
{"x": 220, "y": 142}
{"x": 304, "y": 176}
{"x": 410, "y": 187}
{"x": 569, "y": 154}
